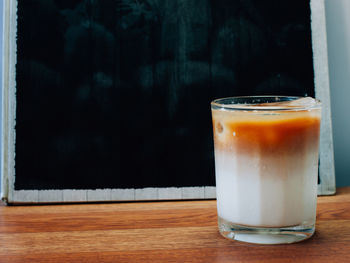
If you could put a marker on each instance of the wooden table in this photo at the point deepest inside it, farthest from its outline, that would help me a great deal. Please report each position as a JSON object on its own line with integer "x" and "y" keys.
{"x": 181, "y": 231}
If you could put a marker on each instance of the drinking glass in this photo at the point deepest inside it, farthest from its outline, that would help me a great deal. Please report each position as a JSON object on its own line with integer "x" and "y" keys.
{"x": 266, "y": 167}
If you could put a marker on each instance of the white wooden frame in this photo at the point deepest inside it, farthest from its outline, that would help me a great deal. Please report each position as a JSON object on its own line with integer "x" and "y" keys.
{"x": 8, "y": 134}
{"x": 322, "y": 91}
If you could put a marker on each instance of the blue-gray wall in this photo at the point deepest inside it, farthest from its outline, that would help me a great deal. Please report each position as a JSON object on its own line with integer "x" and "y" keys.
{"x": 338, "y": 30}
{"x": 1, "y": 17}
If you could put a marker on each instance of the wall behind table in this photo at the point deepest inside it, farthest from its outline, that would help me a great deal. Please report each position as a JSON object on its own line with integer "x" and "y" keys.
{"x": 1, "y": 25}
{"x": 338, "y": 26}
{"x": 338, "y": 31}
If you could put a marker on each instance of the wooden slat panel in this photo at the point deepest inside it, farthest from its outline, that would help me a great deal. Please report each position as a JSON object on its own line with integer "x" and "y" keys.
{"x": 107, "y": 220}
{"x": 335, "y": 235}
{"x": 158, "y": 232}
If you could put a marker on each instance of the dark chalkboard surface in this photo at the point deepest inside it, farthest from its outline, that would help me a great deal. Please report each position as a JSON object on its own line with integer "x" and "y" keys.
{"x": 116, "y": 93}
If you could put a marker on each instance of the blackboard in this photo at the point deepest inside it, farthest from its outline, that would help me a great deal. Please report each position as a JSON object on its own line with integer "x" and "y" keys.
{"x": 112, "y": 97}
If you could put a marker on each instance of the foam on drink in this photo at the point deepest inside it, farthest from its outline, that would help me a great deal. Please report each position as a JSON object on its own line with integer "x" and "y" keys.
{"x": 265, "y": 161}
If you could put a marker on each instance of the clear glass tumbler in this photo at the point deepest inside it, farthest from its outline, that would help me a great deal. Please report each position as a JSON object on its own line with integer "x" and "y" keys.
{"x": 266, "y": 167}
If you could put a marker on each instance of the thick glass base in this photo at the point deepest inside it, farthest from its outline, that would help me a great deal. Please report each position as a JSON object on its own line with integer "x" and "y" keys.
{"x": 266, "y": 235}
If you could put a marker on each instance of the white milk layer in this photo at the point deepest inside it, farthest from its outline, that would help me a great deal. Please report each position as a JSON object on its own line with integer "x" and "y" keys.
{"x": 267, "y": 190}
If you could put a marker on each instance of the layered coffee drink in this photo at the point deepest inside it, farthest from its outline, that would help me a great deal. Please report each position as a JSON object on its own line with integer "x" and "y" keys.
{"x": 266, "y": 162}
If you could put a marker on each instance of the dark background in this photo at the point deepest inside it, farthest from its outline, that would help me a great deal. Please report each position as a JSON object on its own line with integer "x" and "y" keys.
{"x": 116, "y": 93}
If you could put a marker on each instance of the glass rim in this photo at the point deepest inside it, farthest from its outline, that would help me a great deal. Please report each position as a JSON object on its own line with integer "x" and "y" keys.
{"x": 259, "y": 103}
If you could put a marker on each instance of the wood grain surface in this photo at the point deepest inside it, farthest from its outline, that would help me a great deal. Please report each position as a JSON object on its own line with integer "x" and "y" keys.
{"x": 176, "y": 231}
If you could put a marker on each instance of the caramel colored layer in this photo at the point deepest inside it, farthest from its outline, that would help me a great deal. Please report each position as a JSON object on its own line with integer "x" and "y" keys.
{"x": 245, "y": 131}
